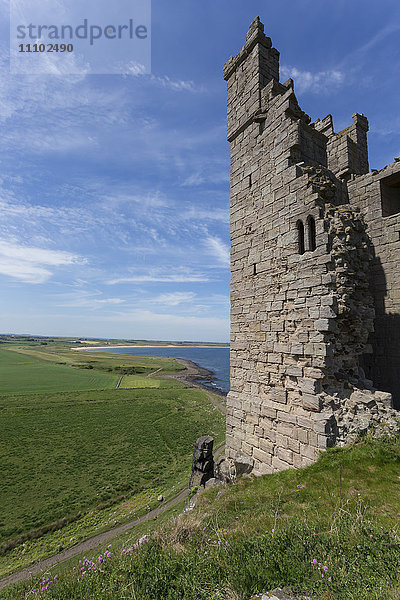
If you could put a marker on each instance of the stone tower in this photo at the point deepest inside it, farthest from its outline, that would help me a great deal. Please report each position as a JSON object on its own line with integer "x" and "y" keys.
{"x": 314, "y": 262}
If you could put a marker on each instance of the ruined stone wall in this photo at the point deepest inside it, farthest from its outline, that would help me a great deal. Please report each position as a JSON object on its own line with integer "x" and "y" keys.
{"x": 377, "y": 195}
{"x": 301, "y": 309}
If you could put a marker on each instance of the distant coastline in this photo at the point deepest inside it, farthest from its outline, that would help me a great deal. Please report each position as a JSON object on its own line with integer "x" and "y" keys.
{"x": 205, "y": 367}
{"x": 93, "y": 347}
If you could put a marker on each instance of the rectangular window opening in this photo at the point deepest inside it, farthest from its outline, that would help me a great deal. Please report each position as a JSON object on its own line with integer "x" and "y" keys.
{"x": 254, "y": 269}
{"x": 390, "y": 195}
{"x": 250, "y": 181}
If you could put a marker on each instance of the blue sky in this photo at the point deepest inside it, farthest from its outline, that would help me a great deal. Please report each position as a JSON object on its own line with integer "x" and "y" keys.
{"x": 114, "y": 190}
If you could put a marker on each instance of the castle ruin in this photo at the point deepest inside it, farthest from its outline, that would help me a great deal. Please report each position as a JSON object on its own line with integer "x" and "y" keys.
{"x": 315, "y": 278}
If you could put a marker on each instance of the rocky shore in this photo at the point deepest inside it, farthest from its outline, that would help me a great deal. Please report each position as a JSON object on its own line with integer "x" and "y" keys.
{"x": 197, "y": 376}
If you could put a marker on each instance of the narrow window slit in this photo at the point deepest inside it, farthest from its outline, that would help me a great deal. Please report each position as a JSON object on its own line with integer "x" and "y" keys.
{"x": 300, "y": 236}
{"x": 311, "y": 234}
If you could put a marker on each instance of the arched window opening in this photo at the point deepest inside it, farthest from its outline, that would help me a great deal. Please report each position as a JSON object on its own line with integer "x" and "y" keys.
{"x": 300, "y": 236}
{"x": 311, "y": 234}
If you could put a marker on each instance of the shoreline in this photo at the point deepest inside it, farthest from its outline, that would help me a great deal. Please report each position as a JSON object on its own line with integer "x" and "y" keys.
{"x": 193, "y": 375}
{"x": 167, "y": 346}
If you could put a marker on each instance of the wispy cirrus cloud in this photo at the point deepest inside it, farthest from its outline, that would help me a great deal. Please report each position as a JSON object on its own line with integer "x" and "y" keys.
{"x": 30, "y": 264}
{"x": 100, "y": 168}
{"x": 198, "y": 178}
{"x": 175, "y": 298}
{"x": 176, "y": 85}
{"x": 204, "y": 214}
{"x": 316, "y": 82}
{"x": 161, "y": 278}
{"x": 219, "y": 250}
{"x": 362, "y": 51}
{"x": 82, "y": 298}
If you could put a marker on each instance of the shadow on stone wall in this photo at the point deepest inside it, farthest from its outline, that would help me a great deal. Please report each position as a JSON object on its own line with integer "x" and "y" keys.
{"x": 383, "y": 366}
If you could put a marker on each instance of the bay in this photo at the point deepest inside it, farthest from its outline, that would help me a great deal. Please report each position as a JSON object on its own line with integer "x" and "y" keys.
{"x": 212, "y": 359}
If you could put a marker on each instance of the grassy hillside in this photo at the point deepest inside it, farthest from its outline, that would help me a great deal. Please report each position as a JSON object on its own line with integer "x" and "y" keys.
{"x": 65, "y": 452}
{"x": 330, "y": 531}
{"x": 78, "y": 455}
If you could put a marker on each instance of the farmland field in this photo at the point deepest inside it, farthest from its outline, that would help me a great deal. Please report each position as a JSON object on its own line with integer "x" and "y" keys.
{"x": 28, "y": 369}
{"x": 138, "y": 381}
{"x": 21, "y": 374}
{"x": 68, "y": 452}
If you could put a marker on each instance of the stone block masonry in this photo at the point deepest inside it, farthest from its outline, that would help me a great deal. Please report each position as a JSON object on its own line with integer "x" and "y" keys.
{"x": 315, "y": 301}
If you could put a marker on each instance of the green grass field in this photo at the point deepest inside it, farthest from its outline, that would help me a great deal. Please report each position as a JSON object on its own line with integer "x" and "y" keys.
{"x": 138, "y": 381}
{"x": 68, "y": 452}
{"x": 77, "y": 455}
{"x": 32, "y": 368}
{"x": 21, "y": 374}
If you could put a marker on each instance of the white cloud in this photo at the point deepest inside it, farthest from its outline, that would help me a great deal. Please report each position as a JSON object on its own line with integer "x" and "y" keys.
{"x": 87, "y": 299}
{"x": 322, "y": 81}
{"x": 133, "y": 68}
{"x": 159, "y": 278}
{"x": 34, "y": 101}
{"x": 193, "y": 180}
{"x": 75, "y": 223}
{"x": 122, "y": 198}
{"x": 194, "y": 213}
{"x": 111, "y": 301}
{"x": 210, "y": 177}
{"x": 175, "y": 298}
{"x": 176, "y": 85}
{"x": 54, "y": 64}
{"x": 219, "y": 250}
{"x": 30, "y": 264}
